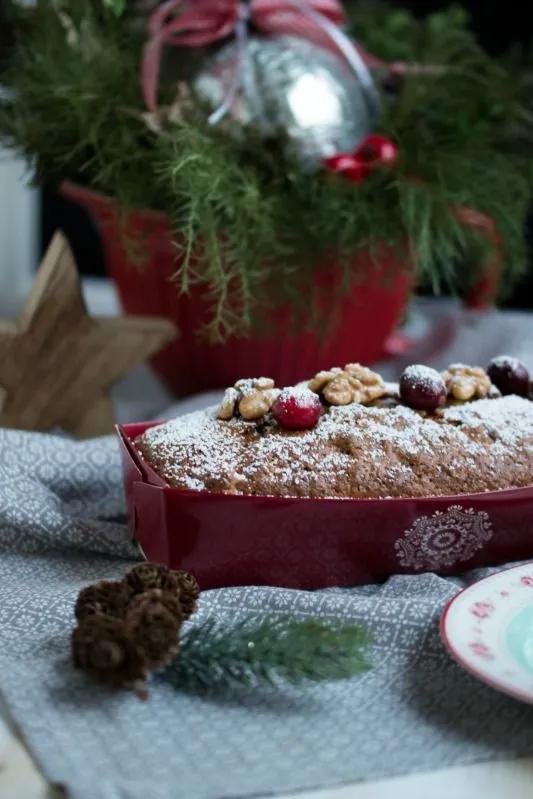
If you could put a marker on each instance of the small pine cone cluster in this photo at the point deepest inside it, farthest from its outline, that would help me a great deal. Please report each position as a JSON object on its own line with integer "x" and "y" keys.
{"x": 130, "y": 627}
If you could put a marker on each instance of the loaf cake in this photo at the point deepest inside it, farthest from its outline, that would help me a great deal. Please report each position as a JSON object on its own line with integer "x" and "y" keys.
{"x": 348, "y": 434}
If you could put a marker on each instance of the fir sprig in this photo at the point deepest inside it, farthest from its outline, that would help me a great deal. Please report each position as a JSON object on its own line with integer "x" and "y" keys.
{"x": 117, "y": 7}
{"x": 215, "y": 655}
{"x": 250, "y": 225}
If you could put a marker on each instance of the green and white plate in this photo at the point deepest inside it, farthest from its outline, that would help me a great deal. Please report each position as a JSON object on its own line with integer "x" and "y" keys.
{"x": 488, "y": 629}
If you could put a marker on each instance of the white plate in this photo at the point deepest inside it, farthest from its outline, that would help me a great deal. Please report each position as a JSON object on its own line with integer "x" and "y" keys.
{"x": 488, "y": 629}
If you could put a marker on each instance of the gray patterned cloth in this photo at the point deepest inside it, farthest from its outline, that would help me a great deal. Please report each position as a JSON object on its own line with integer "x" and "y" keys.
{"x": 60, "y": 528}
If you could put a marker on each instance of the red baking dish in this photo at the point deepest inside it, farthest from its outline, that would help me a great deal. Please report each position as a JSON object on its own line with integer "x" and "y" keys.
{"x": 297, "y": 542}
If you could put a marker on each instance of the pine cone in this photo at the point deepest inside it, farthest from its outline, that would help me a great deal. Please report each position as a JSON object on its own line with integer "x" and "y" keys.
{"x": 189, "y": 591}
{"x": 184, "y": 586}
{"x": 153, "y": 623}
{"x": 154, "y": 596}
{"x": 130, "y": 627}
{"x": 106, "y": 598}
{"x": 101, "y": 647}
{"x": 146, "y": 576}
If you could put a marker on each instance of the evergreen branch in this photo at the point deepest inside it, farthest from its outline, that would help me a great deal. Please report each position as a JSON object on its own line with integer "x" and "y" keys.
{"x": 117, "y": 7}
{"x": 255, "y": 651}
{"x": 250, "y": 226}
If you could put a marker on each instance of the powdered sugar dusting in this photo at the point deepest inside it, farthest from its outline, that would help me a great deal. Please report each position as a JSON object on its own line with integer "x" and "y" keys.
{"x": 194, "y": 448}
{"x": 353, "y": 451}
{"x": 507, "y": 420}
{"x": 423, "y": 376}
{"x": 502, "y": 361}
{"x": 300, "y": 395}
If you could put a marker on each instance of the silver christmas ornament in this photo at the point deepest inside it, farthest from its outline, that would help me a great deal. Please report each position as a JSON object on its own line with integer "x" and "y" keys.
{"x": 291, "y": 86}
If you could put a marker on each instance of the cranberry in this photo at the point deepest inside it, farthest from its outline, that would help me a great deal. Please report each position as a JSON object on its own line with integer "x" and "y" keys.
{"x": 509, "y": 375}
{"x": 297, "y": 409}
{"x": 422, "y": 388}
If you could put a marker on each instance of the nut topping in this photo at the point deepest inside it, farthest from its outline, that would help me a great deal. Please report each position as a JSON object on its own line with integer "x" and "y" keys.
{"x": 227, "y": 406}
{"x": 354, "y": 383}
{"x": 251, "y": 399}
{"x": 465, "y": 383}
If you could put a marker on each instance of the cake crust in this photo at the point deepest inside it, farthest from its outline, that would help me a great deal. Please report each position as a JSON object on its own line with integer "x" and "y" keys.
{"x": 355, "y": 451}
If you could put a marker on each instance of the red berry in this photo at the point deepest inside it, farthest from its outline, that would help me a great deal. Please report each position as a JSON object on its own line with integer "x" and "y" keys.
{"x": 339, "y": 162}
{"x": 348, "y": 166}
{"x": 422, "y": 388}
{"x": 509, "y": 375}
{"x": 297, "y": 409}
{"x": 377, "y": 151}
{"x": 357, "y": 172}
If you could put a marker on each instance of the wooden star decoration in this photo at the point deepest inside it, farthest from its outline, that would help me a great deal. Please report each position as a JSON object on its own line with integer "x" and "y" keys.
{"x": 57, "y": 363}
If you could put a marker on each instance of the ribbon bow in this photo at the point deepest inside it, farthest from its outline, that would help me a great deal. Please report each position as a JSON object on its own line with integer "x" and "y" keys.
{"x": 198, "y": 23}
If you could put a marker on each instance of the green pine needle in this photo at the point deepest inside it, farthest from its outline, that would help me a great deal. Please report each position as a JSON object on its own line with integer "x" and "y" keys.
{"x": 116, "y": 6}
{"x": 254, "y": 652}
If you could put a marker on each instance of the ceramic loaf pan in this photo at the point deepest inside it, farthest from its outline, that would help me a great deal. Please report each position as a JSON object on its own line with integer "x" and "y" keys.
{"x": 228, "y": 540}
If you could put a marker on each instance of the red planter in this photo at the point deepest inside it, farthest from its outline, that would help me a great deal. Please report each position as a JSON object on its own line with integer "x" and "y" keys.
{"x": 141, "y": 260}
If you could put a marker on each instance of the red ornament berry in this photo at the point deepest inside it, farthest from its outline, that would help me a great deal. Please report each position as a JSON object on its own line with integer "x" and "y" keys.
{"x": 377, "y": 151}
{"x": 297, "y": 409}
{"x": 422, "y": 388}
{"x": 509, "y": 375}
{"x": 348, "y": 166}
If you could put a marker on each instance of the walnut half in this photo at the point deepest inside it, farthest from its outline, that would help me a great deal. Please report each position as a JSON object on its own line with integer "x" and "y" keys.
{"x": 251, "y": 399}
{"x": 354, "y": 383}
{"x": 465, "y": 383}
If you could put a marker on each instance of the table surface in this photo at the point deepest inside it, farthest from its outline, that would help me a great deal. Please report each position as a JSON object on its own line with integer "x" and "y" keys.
{"x": 21, "y": 779}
